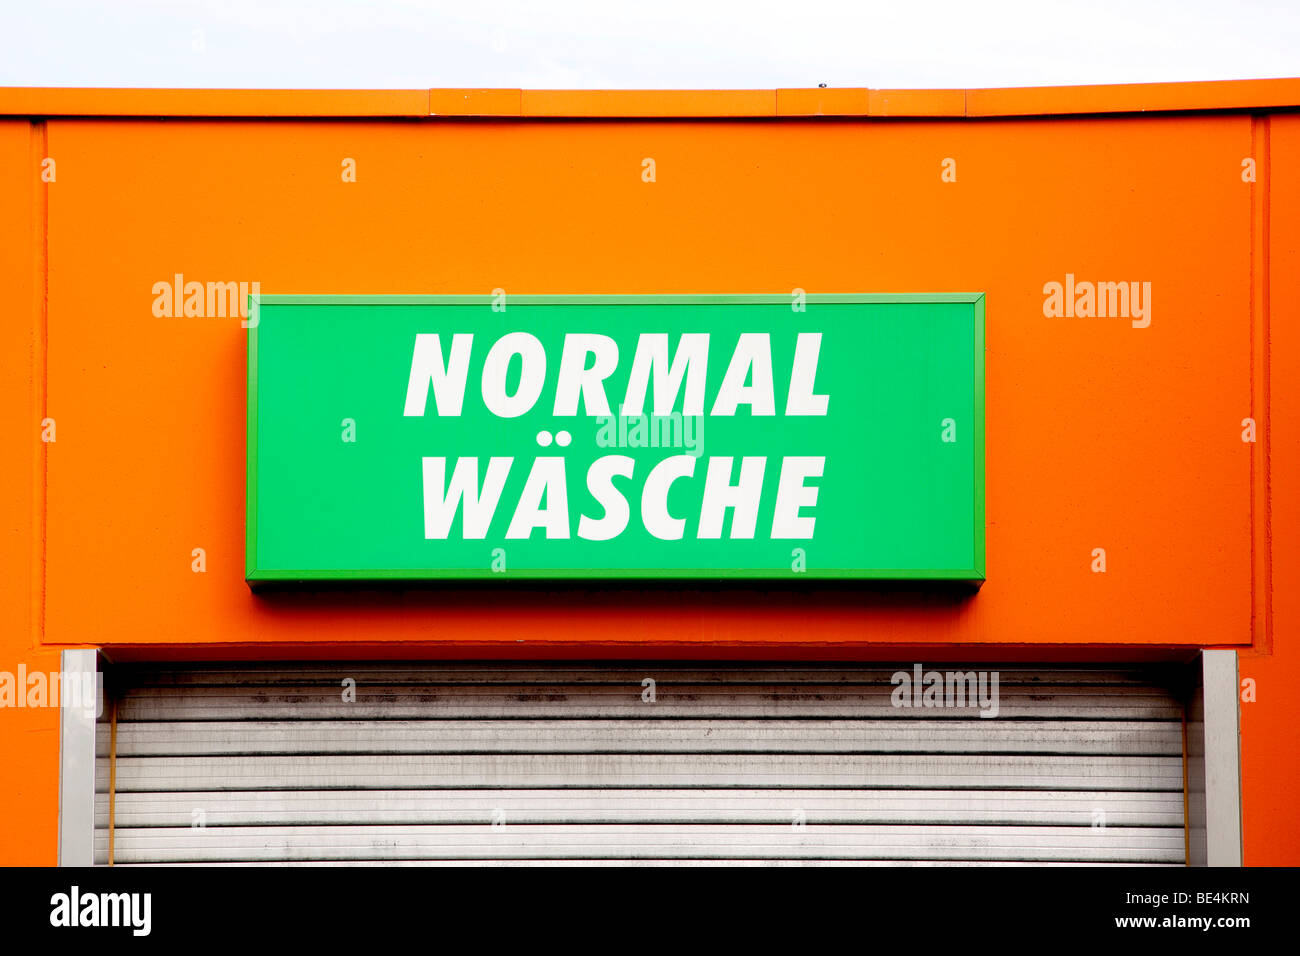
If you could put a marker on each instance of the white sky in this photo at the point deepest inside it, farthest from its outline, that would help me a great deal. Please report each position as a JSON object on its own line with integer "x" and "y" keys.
{"x": 650, "y": 44}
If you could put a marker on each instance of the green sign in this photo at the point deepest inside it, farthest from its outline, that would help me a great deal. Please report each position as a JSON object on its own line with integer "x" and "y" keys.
{"x": 753, "y": 436}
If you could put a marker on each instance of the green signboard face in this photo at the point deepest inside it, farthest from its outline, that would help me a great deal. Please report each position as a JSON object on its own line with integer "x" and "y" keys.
{"x": 436, "y": 437}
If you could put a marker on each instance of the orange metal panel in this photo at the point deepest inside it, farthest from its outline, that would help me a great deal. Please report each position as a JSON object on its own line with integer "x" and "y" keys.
{"x": 1133, "y": 98}
{"x": 1270, "y": 769}
{"x": 1099, "y": 434}
{"x": 648, "y": 103}
{"x": 475, "y": 102}
{"x": 822, "y": 102}
{"x": 29, "y": 737}
{"x": 918, "y": 103}
{"x": 1061, "y": 100}
{"x": 34, "y": 101}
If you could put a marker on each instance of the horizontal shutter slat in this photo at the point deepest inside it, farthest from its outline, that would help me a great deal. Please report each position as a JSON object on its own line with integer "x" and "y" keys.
{"x": 200, "y": 738}
{"x": 644, "y": 770}
{"x": 328, "y": 807}
{"x": 673, "y": 700}
{"x": 562, "y": 840}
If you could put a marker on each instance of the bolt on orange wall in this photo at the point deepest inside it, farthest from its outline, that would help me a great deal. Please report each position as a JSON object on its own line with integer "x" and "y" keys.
{"x": 1100, "y": 434}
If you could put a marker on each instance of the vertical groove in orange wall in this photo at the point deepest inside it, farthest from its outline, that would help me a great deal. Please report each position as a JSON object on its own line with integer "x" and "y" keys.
{"x": 1252, "y": 295}
{"x": 1266, "y": 315}
{"x": 1260, "y": 490}
{"x": 40, "y": 368}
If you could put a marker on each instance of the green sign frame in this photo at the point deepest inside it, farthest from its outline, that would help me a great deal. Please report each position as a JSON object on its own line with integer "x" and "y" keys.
{"x": 912, "y": 362}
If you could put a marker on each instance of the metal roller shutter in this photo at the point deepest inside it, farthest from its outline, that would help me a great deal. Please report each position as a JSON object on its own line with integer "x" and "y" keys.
{"x": 465, "y": 763}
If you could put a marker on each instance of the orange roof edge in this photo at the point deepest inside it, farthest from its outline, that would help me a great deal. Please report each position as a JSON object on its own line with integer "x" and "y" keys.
{"x": 838, "y": 101}
{"x": 94, "y": 101}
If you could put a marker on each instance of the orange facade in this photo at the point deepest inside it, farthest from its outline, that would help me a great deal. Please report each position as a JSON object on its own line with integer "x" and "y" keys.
{"x": 1112, "y": 433}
